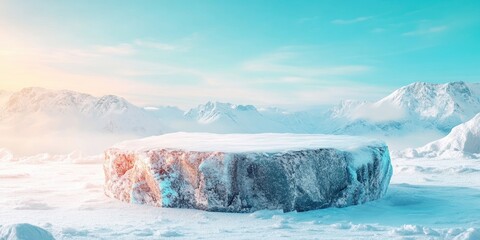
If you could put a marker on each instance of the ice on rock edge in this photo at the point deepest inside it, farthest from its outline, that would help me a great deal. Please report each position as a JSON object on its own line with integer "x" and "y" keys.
{"x": 248, "y": 172}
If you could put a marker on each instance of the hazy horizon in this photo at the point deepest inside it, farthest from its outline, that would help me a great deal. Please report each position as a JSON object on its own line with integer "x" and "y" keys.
{"x": 269, "y": 54}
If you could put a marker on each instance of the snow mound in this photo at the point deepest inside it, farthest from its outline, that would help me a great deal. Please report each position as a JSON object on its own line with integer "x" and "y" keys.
{"x": 247, "y": 172}
{"x": 463, "y": 140}
{"x": 24, "y": 231}
{"x": 469, "y": 234}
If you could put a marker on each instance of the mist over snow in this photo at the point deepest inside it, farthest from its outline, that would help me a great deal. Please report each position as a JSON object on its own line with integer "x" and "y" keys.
{"x": 36, "y": 120}
{"x": 379, "y": 112}
{"x": 462, "y": 141}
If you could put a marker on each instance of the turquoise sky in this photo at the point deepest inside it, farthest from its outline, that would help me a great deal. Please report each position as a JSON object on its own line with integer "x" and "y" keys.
{"x": 286, "y": 53}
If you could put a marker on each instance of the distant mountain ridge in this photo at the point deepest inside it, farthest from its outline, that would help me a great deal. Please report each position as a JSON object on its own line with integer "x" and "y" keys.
{"x": 409, "y": 109}
{"x": 418, "y": 105}
{"x": 108, "y": 113}
{"x": 228, "y": 118}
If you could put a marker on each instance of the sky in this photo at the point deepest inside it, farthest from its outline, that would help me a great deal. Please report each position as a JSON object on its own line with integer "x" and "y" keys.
{"x": 271, "y": 52}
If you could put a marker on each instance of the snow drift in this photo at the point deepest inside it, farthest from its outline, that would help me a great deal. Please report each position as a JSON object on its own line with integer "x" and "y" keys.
{"x": 243, "y": 173}
{"x": 464, "y": 139}
{"x": 24, "y": 231}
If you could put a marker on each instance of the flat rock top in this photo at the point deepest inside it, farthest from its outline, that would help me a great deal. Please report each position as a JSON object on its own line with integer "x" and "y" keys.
{"x": 265, "y": 142}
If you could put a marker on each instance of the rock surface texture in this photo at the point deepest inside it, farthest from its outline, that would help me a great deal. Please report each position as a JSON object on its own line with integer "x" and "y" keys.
{"x": 247, "y": 172}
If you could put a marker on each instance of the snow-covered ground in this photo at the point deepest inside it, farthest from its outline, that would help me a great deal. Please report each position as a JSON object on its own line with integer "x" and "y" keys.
{"x": 427, "y": 199}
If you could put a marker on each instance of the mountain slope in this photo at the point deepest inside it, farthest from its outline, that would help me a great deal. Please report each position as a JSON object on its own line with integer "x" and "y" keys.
{"x": 474, "y": 88}
{"x": 419, "y": 112}
{"x": 412, "y": 107}
{"x": 464, "y": 139}
{"x": 77, "y": 110}
{"x": 4, "y": 96}
{"x": 444, "y": 105}
{"x": 230, "y": 118}
{"x": 36, "y": 120}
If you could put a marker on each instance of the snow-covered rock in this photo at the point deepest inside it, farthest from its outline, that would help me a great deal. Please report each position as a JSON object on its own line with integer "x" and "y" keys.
{"x": 24, "y": 231}
{"x": 247, "y": 172}
{"x": 464, "y": 139}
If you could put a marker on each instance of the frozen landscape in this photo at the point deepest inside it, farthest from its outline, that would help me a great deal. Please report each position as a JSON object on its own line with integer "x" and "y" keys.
{"x": 234, "y": 119}
{"x": 434, "y": 192}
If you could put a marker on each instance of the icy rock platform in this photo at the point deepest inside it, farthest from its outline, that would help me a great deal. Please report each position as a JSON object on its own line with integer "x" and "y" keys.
{"x": 247, "y": 172}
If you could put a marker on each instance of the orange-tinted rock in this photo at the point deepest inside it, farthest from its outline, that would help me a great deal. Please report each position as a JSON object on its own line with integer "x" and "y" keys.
{"x": 247, "y": 181}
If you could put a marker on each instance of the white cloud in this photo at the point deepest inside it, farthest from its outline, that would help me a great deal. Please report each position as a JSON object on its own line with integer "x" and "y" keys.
{"x": 424, "y": 31}
{"x": 351, "y": 21}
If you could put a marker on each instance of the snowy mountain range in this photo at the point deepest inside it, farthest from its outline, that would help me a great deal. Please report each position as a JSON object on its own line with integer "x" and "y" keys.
{"x": 68, "y": 109}
{"x": 409, "y": 109}
{"x": 412, "y": 107}
{"x": 230, "y": 118}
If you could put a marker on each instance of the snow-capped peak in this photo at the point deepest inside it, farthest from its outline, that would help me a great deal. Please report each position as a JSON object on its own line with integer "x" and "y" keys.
{"x": 346, "y": 108}
{"x": 36, "y": 99}
{"x": 111, "y": 104}
{"x": 111, "y": 113}
{"x": 447, "y": 105}
{"x": 212, "y": 111}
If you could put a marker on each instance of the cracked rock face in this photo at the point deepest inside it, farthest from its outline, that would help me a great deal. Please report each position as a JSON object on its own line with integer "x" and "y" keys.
{"x": 174, "y": 171}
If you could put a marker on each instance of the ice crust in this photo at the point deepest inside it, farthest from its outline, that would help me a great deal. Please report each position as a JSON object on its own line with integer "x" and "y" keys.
{"x": 264, "y": 142}
{"x": 247, "y": 172}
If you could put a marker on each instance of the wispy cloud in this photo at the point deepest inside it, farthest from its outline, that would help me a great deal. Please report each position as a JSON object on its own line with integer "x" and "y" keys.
{"x": 351, "y": 21}
{"x": 107, "y": 74}
{"x": 159, "y": 45}
{"x": 425, "y": 31}
{"x": 120, "y": 49}
{"x": 280, "y": 63}
{"x": 131, "y": 48}
{"x": 99, "y": 70}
